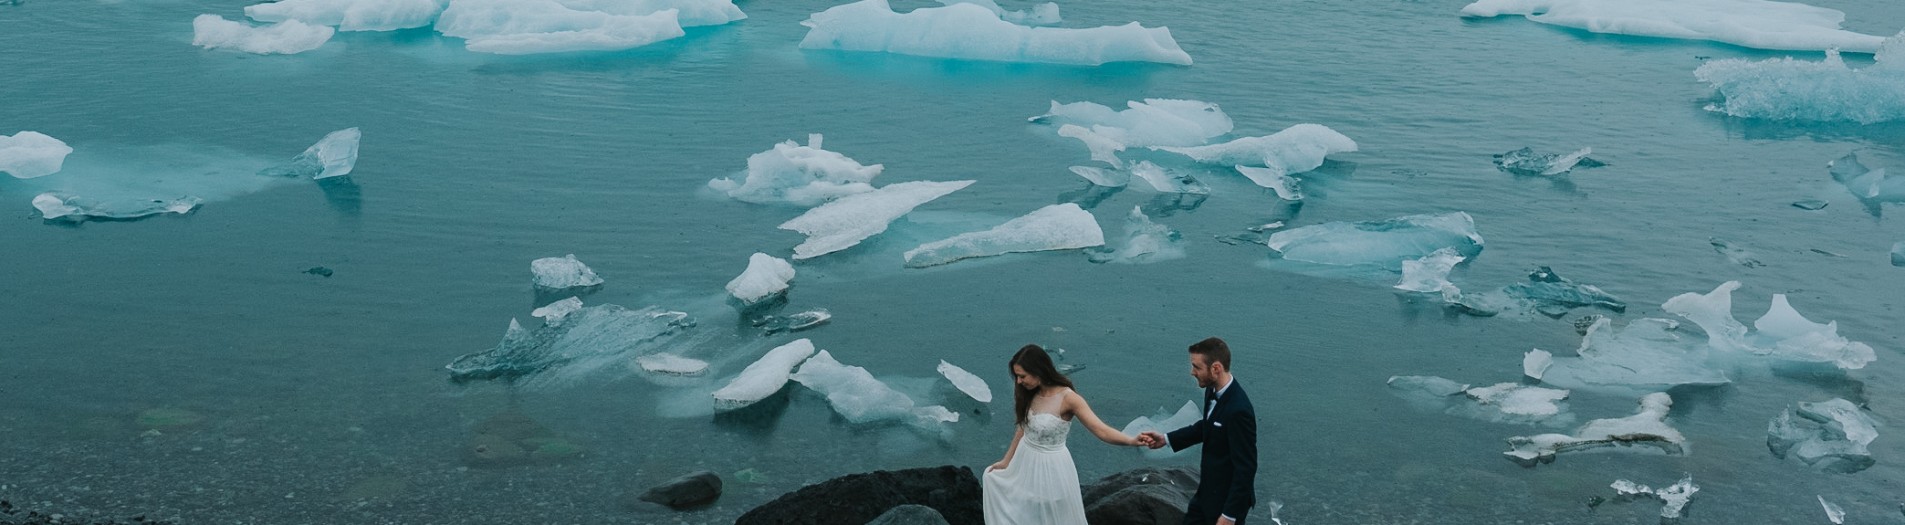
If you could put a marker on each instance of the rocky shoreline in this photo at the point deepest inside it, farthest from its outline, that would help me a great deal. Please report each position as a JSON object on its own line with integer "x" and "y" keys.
{"x": 950, "y": 495}
{"x": 11, "y": 515}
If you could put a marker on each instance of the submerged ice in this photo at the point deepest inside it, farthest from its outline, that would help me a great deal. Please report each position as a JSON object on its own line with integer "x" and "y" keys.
{"x": 1385, "y": 243}
{"x": 1144, "y": 241}
{"x": 860, "y": 398}
{"x": 30, "y": 154}
{"x": 1056, "y": 227}
{"x": 1499, "y": 403}
{"x": 283, "y": 38}
{"x": 800, "y": 175}
{"x": 1871, "y": 186}
{"x": 74, "y": 208}
{"x": 1646, "y": 354}
{"x": 845, "y": 222}
{"x": 1646, "y": 428}
{"x": 1805, "y": 90}
{"x": 1832, "y": 435}
{"x": 1545, "y": 293}
{"x": 1760, "y": 24}
{"x": 972, "y": 32}
{"x": 584, "y": 339}
{"x": 1525, "y": 161}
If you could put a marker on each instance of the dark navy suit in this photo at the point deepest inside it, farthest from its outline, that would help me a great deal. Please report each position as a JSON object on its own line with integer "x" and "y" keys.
{"x": 1228, "y": 473}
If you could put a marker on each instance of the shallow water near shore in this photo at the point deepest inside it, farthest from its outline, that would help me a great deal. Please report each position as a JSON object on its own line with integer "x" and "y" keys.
{"x": 311, "y": 399}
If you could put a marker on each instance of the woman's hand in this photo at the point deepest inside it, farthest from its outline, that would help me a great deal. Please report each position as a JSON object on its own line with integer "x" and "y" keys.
{"x": 996, "y": 466}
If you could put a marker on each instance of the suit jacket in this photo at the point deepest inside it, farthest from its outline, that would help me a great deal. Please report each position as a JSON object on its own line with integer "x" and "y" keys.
{"x": 1228, "y": 472}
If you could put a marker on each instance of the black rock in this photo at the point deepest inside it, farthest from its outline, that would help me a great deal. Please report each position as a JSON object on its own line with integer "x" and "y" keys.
{"x": 1810, "y": 205}
{"x": 910, "y": 515}
{"x": 860, "y": 498}
{"x": 319, "y": 271}
{"x": 1145, "y": 496}
{"x": 686, "y": 492}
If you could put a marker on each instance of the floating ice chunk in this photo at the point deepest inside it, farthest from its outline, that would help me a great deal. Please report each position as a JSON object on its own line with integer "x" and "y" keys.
{"x": 1832, "y": 435}
{"x": 766, "y": 277}
{"x": 1673, "y": 499}
{"x": 1430, "y": 274}
{"x": 1430, "y": 385}
{"x": 1045, "y": 14}
{"x": 1167, "y": 180}
{"x": 1833, "y": 512}
{"x": 856, "y": 395}
{"x": 966, "y": 382}
{"x": 520, "y": 27}
{"x": 774, "y": 324}
{"x": 1734, "y": 253}
{"x": 971, "y": 32}
{"x": 1870, "y": 186}
{"x": 1525, "y": 161}
{"x": 1552, "y": 295}
{"x": 1103, "y": 149}
{"x": 1056, "y": 227}
{"x": 1713, "y": 312}
{"x": 1648, "y": 428}
{"x": 671, "y": 364}
{"x": 1501, "y": 403}
{"x": 800, "y": 175}
{"x": 1759, "y": 24}
{"x": 1535, "y": 363}
{"x": 553, "y": 313}
{"x": 74, "y": 208}
{"x": 1781, "y": 334}
{"x": 351, "y": 15}
{"x": 283, "y": 38}
{"x": 763, "y": 378}
{"x": 1898, "y": 254}
{"x": 585, "y": 339}
{"x": 1385, "y": 242}
{"x": 334, "y": 155}
{"x": 30, "y": 154}
{"x": 845, "y": 222}
{"x": 561, "y": 273}
{"x": 1827, "y": 90}
{"x": 1296, "y": 149}
{"x": 691, "y": 13}
{"x": 1518, "y": 400}
{"x": 1103, "y": 177}
{"x": 1144, "y": 242}
{"x": 1646, "y": 354}
{"x": 1152, "y": 122}
{"x": 1164, "y": 422}
{"x": 1284, "y": 184}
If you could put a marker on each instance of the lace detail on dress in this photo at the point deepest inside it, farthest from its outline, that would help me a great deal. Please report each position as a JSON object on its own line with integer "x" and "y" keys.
{"x": 1047, "y": 430}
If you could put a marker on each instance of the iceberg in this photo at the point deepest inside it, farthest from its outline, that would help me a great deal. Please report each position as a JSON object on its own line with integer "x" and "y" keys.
{"x": 562, "y": 273}
{"x": 1525, "y": 161}
{"x": 1296, "y": 149}
{"x": 1277, "y": 180}
{"x": 1759, "y": 24}
{"x": 763, "y": 378}
{"x": 283, "y": 38}
{"x": 846, "y": 221}
{"x": 552, "y": 313}
{"x": 1430, "y": 274}
{"x": 1164, "y": 422}
{"x": 1781, "y": 334}
{"x": 1870, "y": 186}
{"x": 74, "y": 208}
{"x": 972, "y": 32}
{"x": 1103, "y": 149}
{"x": 1647, "y": 428}
{"x": 1513, "y": 403}
{"x": 521, "y": 27}
{"x": 1832, "y": 436}
{"x": 351, "y": 15}
{"x": 672, "y": 365}
{"x": 1536, "y": 363}
{"x": 1804, "y": 90}
{"x": 30, "y": 154}
{"x": 966, "y": 382}
{"x": 585, "y": 339}
{"x": 765, "y": 278}
{"x": 1673, "y": 499}
{"x": 1151, "y": 122}
{"x": 799, "y": 175}
{"x": 1644, "y": 355}
{"x": 333, "y": 156}
{"x": 1045, "y": 14}
{"x": 1056, "y": 227}
{"x": 1144, "y": 242}
{"x": 1386, "y": 242}
{"x": 856, "y": 395}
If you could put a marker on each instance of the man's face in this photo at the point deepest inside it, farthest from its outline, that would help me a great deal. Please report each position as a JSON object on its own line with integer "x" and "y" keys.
{"x": 1201, "y": 371}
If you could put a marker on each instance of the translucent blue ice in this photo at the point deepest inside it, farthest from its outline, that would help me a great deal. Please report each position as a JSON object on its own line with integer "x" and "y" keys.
{"x": 972, "y": 32}
{"x": 1805, "y": 90}
{"x": 283, "y": 38}
{"x": 1760, "y": 24}
{"x": 1383, "y": 243}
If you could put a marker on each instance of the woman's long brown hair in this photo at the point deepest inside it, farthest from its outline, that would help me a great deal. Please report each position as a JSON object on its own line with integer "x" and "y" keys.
{"x": 1038, "y": 364}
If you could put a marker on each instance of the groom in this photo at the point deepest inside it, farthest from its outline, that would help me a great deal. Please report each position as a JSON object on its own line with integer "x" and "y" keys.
{"x": 1226, "y": 487}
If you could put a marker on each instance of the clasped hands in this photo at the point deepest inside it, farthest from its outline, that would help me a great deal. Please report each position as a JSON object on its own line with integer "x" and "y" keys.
{"x": 1151, "y": 439}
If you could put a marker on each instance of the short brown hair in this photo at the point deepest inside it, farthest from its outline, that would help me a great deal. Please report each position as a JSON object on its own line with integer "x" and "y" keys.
{"x": 1214, "y": 351}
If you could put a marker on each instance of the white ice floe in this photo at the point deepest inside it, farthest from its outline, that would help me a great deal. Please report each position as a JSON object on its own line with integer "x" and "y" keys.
{"x": 1646, "y": 428}
{"x": 560, "y": 273}
{"x": 1519, "y": 400}
{"x": 552, "y": 313}
{"x": 1500, "y": 403}
{"x": 1673, "y": 499}
{"x": 351, "y": 15}
{"x": 763, "y": 378}
{"x": 1045, "y": 14}
{"x": 1163, "y": 422}
{"x": 520, "y": 27}
{"x": 1166, "y": 180}
{"x": 856, "y": 395}
{"x": 972, "y": 32}
{"x": 1647, "y": 354}
{"x": 1296, "y": 149}
{"x": 1151, "y": 122}
{"x": 846, "y": 221}
{"x": 966, "y": 382}
{"x": 1277, "y": 180}
{"x": 1144, "y": 241}
{"x": 1430, "y": 274}
{"x": 1804, "y": 90}
{"x": 1056, "y": 227}
{"x": 1759, "y": 24}
{"x": 30, "y": 154}
{"x": 1103, "y": 149}
{"x": 1833, "y": 435}
{"x": 1386, "y": 242}
{"x": 283, "y": 38}
{"x": 1833, "y": 513}
{"x": 672, "y": 365}
{"x": 1103, "y": 177}
{"x": 75, "y": 208}
{"x": 335, "y": 155}
{"x": 1782, "y": 334}
{"x": 766, "y": 276}
{"x": 800, "y": 175}
{"x": 1536, "y": 363}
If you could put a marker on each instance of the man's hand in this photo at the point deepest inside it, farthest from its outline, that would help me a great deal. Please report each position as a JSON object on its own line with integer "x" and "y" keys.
{"x": 1152, "y": 439}
{"x": 1225, "y": 520}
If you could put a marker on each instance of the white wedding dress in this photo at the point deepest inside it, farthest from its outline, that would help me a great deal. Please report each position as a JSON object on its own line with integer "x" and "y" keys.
{"x": 1040, "y": 485}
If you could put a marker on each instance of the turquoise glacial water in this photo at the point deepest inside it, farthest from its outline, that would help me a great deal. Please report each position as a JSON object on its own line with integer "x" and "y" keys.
{"x": 325, "y": 401}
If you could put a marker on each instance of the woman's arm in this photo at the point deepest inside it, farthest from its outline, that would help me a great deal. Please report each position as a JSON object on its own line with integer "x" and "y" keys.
{"x": 1009, "y": 450}
{"x": 1081, "y": 411}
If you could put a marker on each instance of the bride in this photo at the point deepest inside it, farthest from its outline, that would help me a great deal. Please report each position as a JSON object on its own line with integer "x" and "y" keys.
{"x": 1036, "y": 483}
